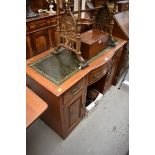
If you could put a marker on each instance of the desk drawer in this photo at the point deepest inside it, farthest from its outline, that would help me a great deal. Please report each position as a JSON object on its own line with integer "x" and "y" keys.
{"x": 98, "y": 73}
{"x": 53, "y": 21}
{"x": 38, "y": 24}
{"x": 73, "y": 91}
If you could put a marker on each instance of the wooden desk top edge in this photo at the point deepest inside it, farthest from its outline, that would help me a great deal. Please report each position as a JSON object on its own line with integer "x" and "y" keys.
{"x": 55, "y": 89}
{"x": 35, "y": 106}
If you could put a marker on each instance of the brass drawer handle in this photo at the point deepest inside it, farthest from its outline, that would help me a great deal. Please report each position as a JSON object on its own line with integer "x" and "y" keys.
{"x": 75, "y": 90}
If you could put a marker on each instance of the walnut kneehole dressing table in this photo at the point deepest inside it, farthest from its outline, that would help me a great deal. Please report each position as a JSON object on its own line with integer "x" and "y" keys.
{"x": 59, "y": 81}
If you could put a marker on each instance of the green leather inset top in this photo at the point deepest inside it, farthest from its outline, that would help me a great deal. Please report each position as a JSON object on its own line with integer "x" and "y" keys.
{"x": 57, "y": 67}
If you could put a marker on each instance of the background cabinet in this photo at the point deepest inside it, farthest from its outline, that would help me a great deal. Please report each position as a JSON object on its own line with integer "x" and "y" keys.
{"x": 40, "y": 35}
{"x": 98, "y": 2}
{"x": 40, "y": 42}
{"x": 121, "y": 30}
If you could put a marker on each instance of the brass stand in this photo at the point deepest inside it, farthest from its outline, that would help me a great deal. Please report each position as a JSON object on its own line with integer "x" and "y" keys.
{"x": 68, "y": 31}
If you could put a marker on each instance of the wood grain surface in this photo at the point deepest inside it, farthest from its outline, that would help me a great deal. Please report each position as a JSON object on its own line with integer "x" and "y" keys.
{"x": 35, "y": 106}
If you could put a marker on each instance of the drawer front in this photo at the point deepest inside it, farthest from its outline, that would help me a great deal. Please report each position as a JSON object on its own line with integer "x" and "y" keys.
{"x": 53, "y": 21}
{"x": 98, "y": 73}
{"x": 38, "y": 24}
{"x": 73, "y": 91}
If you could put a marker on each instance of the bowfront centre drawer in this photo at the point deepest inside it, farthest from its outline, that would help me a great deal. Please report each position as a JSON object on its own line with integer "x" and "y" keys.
{"x": 73, "y": 91}
{"x": 97, "y": 73}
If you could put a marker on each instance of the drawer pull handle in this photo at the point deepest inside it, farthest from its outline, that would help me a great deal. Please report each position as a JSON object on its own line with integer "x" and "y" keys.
{"x": 75, "y": 90}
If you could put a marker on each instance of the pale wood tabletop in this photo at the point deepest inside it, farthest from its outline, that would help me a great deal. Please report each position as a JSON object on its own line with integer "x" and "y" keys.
{"x": 35, "y": 106}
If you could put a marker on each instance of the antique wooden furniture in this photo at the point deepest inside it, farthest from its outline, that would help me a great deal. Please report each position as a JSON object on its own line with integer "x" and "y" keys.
{"x": 121, "y": 30}
{"x": 68, "y": 31}
{"x": 43, "y": 4}
{"x": 40, "y": 34}
{"x": 98, "y": 2}
{"x": 104, "y": 20}
{"x": 38, "y": 4}
{"x": 40, "y": 31}
{"x": 65, "y": 93}
{"x": 92, "y": 42}
{"x": 100, "y": 36}
{"x": 123, "y": 6}
{"x": 121, "y": 26}
{"x": 35, "y": 106}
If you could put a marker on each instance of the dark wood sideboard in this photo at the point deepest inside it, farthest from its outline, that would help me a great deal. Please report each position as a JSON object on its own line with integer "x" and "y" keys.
{"x": 40, "y": 34}
{"x": 66, "y": 102}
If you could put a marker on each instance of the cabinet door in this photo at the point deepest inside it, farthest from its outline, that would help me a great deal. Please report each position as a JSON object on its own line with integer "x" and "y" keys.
{"x": 74, "y": 111}
{"x": 40, "y": 42}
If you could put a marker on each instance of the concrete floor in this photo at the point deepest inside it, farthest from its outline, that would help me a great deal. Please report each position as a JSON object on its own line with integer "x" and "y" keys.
{"x": 104, "y": 132}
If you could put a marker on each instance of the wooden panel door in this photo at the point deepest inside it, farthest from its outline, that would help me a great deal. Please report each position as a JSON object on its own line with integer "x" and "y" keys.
{"x": 74, "y": 111}
{"x": 40, "y": 41}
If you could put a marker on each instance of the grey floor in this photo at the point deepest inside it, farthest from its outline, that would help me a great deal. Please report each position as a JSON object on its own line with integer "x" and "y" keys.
{"x": 104, "y": 132}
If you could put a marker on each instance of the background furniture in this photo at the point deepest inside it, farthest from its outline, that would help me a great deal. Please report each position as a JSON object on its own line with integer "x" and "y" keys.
{"x": 123, "y": 6}
{"x": 98, "y": 2}
{"x": 121, "y": 30}
{"x": 40, "y": 34}
{"x": 66, "y": 101}
{"x": 43, "y": 4}
{"x": 35, "y": 106}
